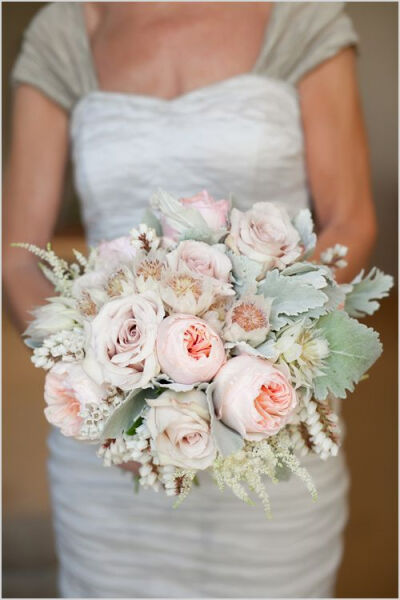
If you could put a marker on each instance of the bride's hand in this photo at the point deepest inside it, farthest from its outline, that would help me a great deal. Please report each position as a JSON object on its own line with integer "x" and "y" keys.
{"x": 131, "y": 466}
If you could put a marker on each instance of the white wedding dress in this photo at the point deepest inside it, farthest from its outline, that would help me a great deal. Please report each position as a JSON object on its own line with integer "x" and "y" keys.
{"x": 241, "y": 136}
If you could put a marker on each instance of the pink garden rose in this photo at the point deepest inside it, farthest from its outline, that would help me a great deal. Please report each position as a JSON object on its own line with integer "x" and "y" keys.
{"x": 201, "y": 258}
{"x": 188, "y": 349}
{"x": 122, "y": 337}
{"x": 253, "y": 397}
{"x": 265, "y": 234}
{"x": 179, "y": 423}
{"x": 68, "y": 388}
{"x": 214, "y": 212}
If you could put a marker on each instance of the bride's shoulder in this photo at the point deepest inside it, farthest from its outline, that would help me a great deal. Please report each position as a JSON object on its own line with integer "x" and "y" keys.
{"x": 55, "y": 54}
{"x": 304, "y": 34}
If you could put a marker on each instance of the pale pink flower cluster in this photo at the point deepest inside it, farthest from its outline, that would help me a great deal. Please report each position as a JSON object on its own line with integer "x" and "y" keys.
{"x": 159, "y": 309}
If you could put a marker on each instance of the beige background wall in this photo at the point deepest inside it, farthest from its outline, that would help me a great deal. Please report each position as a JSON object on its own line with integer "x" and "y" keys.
{"x": 370, "y": 563}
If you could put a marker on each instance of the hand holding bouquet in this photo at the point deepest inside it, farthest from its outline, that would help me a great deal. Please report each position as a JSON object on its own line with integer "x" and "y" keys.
{"x": 205, "y": 339}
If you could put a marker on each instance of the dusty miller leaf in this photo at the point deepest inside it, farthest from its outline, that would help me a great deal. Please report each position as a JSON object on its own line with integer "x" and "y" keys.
{"x": 226, "y": 440}
{"x": 362, "y": 300}
{"x": 304, "y": 224}
{"x": 353, "y": 350}
{"x": 123, "y": 416}
{"x": 290, "y": 297}
{"x": 150, "y": 219}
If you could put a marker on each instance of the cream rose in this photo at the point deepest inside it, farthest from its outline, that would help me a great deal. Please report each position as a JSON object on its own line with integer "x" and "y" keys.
{"x": 264, "y": 234}
{"x": 121, "y": 341}
{"x": 68, "y": 388}
{"x": 179, "y": 423}
{"x": 253, "y": 397}
{"x": 188, "y": 349}
{"x": 214, "y": 212}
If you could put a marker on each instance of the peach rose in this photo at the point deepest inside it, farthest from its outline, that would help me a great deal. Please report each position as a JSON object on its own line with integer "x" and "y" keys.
{"x": 264, "y": 234}
{"x": 188, "y": 349}
{"x": 214, "y": 212}
{"x": 253, "y": 397}
{"x": 179, "y": 423}
{"x": 67, "y": 388}
{"x": 121, "y": 341}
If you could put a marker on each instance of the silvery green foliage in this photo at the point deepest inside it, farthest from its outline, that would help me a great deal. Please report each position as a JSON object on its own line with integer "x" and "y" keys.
{"x": 226, "y": 440}
{"x": 126, "y": 414}
{"x": 150, "y": 219}
{"x": 320, "y": 277}
{"x": 186, "y": 220}
{"x": 245, "y": 271}
{"x": 290, "y": 297}
{"x": 164, "y": 381}
{"x": 266, "y": 350}
{"x": 353, "y": 350}
{"x": 304, "y": 224}
{"x": 365, "y": 291}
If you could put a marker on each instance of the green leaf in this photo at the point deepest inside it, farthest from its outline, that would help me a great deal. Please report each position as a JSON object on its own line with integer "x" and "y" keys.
{"x": 245, "y": 270}
{"x": 362, "y": 300}
{"x": 126, "y": 414}
{"x": 353, "y": 350}
{"x": 132, "y": 429}
{"x": 290, "y": 297}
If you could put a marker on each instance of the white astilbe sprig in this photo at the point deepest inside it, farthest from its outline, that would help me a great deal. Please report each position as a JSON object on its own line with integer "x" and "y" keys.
{"x": 66, "y": 345}
{"x": 253, "y": 462}
{"x": 59, "y": 272}
{"x": 334, "y": 257}
{"x": 317, "y": 430}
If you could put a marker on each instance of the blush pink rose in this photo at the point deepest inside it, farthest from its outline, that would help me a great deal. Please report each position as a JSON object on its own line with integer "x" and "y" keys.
{"x": 253, "y": 397}
{"x": 214, "y": 212}
{"x": 201, "y": 258}
{"x": 121, "y": 341}
{"x": 68, "y": 388}
{"x": 265, "y": 234}
{"x": 114, "y": 252}
{"x": 188, "y": 349}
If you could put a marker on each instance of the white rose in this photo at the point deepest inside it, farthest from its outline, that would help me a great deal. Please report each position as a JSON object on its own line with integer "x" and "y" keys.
{"x": 121, "y": 341}
{"x": 265, "y": 234}
{"x": 179, "y": 423}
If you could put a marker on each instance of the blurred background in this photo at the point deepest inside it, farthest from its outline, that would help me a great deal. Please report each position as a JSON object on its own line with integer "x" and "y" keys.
{"x": 369, "y": 568}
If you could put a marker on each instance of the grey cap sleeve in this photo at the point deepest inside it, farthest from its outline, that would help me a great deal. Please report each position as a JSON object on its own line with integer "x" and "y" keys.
{"x": 302, "y": 36}
{"x": 55, "y": 56}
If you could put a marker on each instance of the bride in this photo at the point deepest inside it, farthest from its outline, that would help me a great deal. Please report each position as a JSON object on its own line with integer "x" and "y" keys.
{"x": 255, "y": 99}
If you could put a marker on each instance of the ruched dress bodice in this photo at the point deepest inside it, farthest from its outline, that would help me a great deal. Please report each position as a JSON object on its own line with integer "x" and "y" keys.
{"x": 239, "y": 137}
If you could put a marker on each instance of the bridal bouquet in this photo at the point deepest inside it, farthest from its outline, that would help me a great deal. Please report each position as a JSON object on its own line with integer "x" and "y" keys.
{"x": 206, "y": 339}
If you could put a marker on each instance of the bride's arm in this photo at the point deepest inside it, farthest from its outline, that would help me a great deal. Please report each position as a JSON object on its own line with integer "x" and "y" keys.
{"x": 337, "y": 160}
{"x": 33, "y": 183}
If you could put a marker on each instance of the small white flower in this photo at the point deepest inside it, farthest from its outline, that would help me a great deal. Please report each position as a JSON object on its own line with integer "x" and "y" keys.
{"x": 303, "y": 350}
{"x": 144, "y": 238}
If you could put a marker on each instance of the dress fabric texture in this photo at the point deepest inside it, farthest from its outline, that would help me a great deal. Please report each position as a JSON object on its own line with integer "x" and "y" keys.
{"x": 241, "y": 136}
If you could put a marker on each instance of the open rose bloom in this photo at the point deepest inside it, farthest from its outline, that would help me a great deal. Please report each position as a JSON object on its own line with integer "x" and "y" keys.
{"x": 205, "y": 339}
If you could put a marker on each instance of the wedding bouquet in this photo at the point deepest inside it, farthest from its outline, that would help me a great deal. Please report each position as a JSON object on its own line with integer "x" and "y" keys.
{"x": 206, "y": 339}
